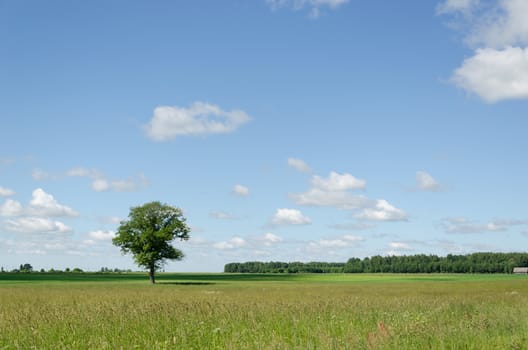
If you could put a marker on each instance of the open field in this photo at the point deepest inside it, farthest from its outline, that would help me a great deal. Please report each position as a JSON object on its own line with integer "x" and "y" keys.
{"x": 229, "y": 311}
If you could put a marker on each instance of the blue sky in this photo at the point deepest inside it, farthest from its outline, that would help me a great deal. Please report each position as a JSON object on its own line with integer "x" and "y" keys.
{"x": 292, "y": 130}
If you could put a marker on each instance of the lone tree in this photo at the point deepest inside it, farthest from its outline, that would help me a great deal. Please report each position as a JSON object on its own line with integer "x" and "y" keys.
{"x": 148, "y": 234}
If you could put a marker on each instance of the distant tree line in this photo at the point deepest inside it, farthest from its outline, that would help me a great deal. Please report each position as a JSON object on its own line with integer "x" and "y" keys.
{"x": 471, "y": 263}
{"x": 27, "y": 268}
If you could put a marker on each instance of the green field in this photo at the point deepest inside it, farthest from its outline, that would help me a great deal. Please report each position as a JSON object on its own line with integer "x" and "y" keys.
{"x": 250, "y": 311}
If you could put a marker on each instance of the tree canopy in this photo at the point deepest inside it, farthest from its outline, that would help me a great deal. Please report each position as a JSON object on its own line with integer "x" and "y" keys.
{"x": 484, "y": 262}
{"x": 148, "y": 234}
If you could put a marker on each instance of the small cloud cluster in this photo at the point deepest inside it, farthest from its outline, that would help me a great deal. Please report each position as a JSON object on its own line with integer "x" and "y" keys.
{"x": 36, "y": 225}
{"x": 398, "y": 248}
{"x": 100, "y": 183}
{"x": 169, "y": 122}
{"x": 41, "y": 204}
{"x": 299, "y": 165}
{"x": 36, "y": 218}
{"x": 465, "y": 226}
{"x": 268, "y": 240}
{"x": 240, "y": 190}
{"x": 345, "y": 241}
{"x": 335, "y": 191}
{"x": 285, "y": 216}
{"x": 425, "y": 182}
{"x": 6, "y": 192}
{"x": 498, "y": 69}
{"x": 314, "y": 5}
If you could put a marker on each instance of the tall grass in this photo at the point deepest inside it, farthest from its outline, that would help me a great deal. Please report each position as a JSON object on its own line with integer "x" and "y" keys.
{"x": 306, "y": 314}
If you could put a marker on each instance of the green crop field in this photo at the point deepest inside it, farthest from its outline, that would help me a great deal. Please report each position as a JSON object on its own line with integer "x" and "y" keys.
{"x": 249, "y": 311}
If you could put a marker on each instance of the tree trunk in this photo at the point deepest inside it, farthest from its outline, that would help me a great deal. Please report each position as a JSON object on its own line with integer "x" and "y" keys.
{"x": 151, "y": 275}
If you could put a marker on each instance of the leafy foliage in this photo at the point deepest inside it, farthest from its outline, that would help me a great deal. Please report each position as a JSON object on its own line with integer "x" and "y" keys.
{"x": 149, "y": 232}
{"x": 421, "y": 263}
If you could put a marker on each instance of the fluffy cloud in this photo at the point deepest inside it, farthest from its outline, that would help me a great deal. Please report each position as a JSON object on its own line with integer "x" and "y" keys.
{"x": 314, "y": 5}
{"x": 498, "y": 70}
{"x": 285, "y": 216}
{"x": 233, "y": 243}
{"x": 382, "y": 211}
{"x": 11, "y": 208}
{"x": 299, "y": 165}
{"x": 41, "y": 175}
{"x": 339, "y": 199}
{"x": 501, "y": 25}
{"x": 85, "y": 172}
{"x": 270, "y": 239}
{"x": 451, "y": 6}
{"x": 342, "y": 242}
{"x": 199, "y": 119}
{"x": 331, "y": 245}
{"x": 44, "y": 204}
{"x": 240, "y": 190}
{"x": 464, "y": 225}
{"x": 34, "y": 225}
{"x": 400, "y": 246}
{"x": 494, "y": 74}
{"x": 6, "y": 192}
{"x": 101, "y": 184}
{"x": 338, "y": 182}
{"x": 334, "y": 191}
{"x": 101, "y": 235}
{"x": 41, "y": 204}
{"x": 425, "y": 182}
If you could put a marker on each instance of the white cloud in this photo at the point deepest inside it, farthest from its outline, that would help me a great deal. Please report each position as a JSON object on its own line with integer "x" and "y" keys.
{"x": 495, "y": 75}
{"x": 501, "y": 25}
{"x": 339, "y": 199}
{"x": 6, "y": 192}
{"x": 240, "y": 190}
{"x": 299, "y": 165}
{"x": 400, "y": 246}
{"x": 101, "y": 235}
{"x": 34, "y": 225}
{"x": 43, "y": 204}
{"x": 85, "y": 172}
{"x": 342, "y": 242}
{"x": 233, "y": 243}
{"x": 270, "y": 239}
{"x": 425, "y": 182}
{"x": 199, "y": 119}
{"x": 101, "y": 184}
{"x": 498, "y": 69}
{"x": 11, "y": 208}
{"x": 382, "y": 211}
{"x": 450, "y": 6}
{"x": 332, "y": 245}
{"x": 338, "y": 182}
{"x": 41, "y": 175}
{"x": 463, "y": 225}
{"x": 334, "y": 191}
{"x": 314, "y": 5}
{"x": 285, "y": 216}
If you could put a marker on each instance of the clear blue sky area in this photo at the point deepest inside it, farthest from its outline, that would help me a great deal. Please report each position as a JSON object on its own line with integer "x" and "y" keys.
{"x": 291, "y": 130}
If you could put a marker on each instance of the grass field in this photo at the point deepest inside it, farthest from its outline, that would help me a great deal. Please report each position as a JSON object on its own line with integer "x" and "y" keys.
{"x": 229, "y": 311}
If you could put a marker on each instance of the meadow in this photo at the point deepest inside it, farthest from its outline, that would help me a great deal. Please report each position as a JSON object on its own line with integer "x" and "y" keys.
{"x": 272, "y": 311}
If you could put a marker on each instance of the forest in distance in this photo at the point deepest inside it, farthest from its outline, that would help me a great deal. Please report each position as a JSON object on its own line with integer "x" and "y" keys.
{"x": 471, "y": 263}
